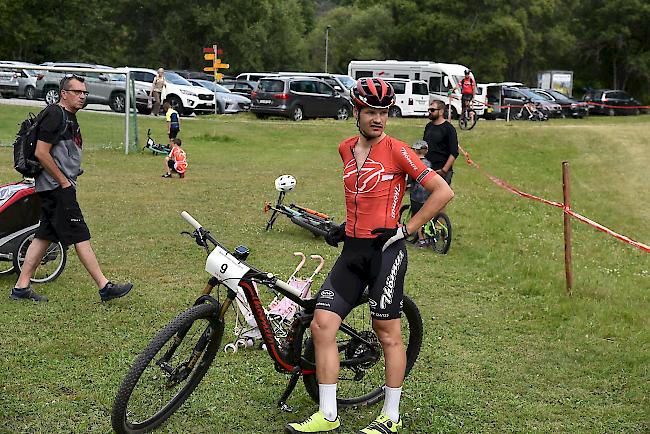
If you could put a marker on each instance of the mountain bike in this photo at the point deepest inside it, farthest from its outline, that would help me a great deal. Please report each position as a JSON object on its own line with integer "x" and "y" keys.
{"x": 169, "y": 369}
{"x": 437, "y": 231}
{"x": 530, "y": 112}
{"x": 467, "y": 118}
{"x": 316, "y": 222}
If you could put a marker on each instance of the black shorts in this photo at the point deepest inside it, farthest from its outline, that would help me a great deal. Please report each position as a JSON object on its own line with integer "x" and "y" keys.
{"x": 61, "y": 218}
{"x": 173, "y": 133}
{"x": 467, "y": 97}
{"x": 171, "y": 164}
{"x": 361, "y": 265}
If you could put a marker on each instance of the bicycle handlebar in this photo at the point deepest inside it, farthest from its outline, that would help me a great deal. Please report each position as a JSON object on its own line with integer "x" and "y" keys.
{"x": 191, "y": 220}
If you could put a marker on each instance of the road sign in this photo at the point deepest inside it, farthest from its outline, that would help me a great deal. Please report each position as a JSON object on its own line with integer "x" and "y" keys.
{"x": 209, "y": 56}
{"x": 211, "y": 50}
{"x": 208, "y": 69}
{"x": 219, "y": 76}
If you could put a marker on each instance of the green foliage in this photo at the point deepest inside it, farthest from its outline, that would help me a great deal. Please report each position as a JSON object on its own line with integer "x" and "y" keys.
{"x": 606, "y": 44}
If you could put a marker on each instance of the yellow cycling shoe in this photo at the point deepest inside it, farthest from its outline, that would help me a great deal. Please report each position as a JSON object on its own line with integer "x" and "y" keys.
{"x": 382, "y": 425}
{"x": 316, "y": 423}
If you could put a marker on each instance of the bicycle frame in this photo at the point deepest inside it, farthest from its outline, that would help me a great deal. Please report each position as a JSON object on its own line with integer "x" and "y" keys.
{"x": 314, "y": 221}
{"x": 230, "y": 270}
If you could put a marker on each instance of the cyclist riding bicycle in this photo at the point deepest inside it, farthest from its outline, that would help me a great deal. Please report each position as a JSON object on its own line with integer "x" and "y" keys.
{"x": 375, "y": 167}
{"x": 467, "y": 87}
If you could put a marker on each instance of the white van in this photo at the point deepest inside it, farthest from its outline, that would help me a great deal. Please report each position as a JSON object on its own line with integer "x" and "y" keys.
{"x": 441, "y": 77}
{"x": 255, "y": 76}
{"x": 411, "y": 97}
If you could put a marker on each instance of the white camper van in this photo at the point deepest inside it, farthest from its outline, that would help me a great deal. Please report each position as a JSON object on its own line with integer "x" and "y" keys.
{"x": 441, "y": 77}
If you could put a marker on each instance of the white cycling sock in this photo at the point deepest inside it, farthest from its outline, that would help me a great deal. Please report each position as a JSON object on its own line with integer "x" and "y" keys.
{"x": 327, "y": 401}
{"x": 391, "y": 402}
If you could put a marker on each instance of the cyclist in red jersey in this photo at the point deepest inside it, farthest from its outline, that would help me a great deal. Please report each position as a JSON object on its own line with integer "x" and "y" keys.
{"x": 467, "y": 87}
{"x": 375, "y": 166}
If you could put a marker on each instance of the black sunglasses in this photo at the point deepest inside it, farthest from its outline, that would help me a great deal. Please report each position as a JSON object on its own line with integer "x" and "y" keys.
{"x": 77, "y": 92}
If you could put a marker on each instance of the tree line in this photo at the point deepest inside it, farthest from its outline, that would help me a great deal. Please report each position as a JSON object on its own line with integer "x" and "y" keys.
{"x": 605, "y": 43}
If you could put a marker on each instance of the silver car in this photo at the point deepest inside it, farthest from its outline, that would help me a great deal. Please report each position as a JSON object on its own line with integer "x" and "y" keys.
{"x": 227, "y": 101}
{"x": 103, "y": 88}
{"x": 25, "y": 76}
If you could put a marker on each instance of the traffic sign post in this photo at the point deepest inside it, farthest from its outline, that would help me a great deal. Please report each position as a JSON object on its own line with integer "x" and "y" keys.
{"x": 211, "y": 54}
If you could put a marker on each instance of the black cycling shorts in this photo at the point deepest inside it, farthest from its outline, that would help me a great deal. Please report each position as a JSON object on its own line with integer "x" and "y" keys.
{"x": 362, "y": 266}
{"x": 466, "y": 97}
{"x": 173, "y": 132}
{"x": 61, "y": 217}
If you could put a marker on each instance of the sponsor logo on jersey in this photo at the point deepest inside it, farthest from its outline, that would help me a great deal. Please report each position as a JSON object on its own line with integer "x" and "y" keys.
{"x": 326, "y": 293}
{"x": 367, "y": 179}
{"x": 372, "y": 303}
{"x": 396, "y": 201}
{"x": 406, "y": 155}
{"x": 323, "y": 305}
{"x": 389, "y": 287}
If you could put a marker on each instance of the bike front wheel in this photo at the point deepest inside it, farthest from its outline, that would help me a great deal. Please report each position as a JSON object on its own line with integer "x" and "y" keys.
{"x": 361, "y": 377}
{"x": 468, "y": 120}
{"x": 168, "y": 370}
{"x": 437, "y": 233}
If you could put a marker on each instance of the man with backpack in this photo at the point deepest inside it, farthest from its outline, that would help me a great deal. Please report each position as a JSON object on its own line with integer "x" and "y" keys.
{"x": 59, "y": 150}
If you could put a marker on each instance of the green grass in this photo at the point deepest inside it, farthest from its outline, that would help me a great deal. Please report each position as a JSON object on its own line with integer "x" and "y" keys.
{"x": 505, "y": 349}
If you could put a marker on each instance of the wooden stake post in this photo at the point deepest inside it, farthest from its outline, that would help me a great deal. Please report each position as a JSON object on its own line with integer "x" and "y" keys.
{"x": 568, "y": 267}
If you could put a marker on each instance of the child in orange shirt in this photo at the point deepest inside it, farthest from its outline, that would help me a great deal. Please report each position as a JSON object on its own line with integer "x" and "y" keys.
{"x": 176, "y": 161}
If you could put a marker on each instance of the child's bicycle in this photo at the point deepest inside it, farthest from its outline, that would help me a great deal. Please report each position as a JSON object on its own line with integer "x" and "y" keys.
{"x": 169, "y": 369}
{"x": 530, "y": 112}
{"x": 317, "y": 223}
{"x": 156, "y": 148}
{"x": 437, "y": 231}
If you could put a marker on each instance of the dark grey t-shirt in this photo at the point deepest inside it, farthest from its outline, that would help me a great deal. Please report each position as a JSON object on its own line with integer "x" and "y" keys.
{"x": 67, "y": 144}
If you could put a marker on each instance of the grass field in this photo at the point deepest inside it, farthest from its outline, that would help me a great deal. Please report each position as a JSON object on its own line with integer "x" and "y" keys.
{"x": 505, "y": 349}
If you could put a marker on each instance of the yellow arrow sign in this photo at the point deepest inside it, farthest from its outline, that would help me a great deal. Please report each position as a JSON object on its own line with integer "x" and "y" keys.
{"x": 222, "y": 65}
{"x": 209, "y": 56}
{"x": 208, "y": 69}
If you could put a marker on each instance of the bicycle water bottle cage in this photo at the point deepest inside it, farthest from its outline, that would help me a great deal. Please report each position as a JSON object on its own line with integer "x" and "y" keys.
{"x": 241, "y": 253}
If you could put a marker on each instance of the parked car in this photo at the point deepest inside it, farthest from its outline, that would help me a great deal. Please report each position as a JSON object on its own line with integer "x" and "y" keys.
{"x": 183, "y": 97}
{"x": 8, "y": 82}
{"x": 26, "y": 77}
{"x": 611, "y": 102}
{"x": 241, "y": 87}
{"x": 103, "y": 88}
{"x": 570, "y": 107}
{"x": 255, "y": 76}
{"x": 227, "y": 102}
{"x": 194, "y": 74}
{"x": 517, "y": 96}
{"x": 411, "y": 97}
{"x": 298, "y": 98}
{"x": 340, "y": 83}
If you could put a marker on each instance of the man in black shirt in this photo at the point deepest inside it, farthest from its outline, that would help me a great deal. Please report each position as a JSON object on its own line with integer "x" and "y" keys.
{"x": 59, "y": 150}
{"x": 441, "y": 137}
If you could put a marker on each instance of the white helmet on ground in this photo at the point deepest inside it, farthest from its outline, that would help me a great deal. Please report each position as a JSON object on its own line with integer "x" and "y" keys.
{"x": 285, "y": 183}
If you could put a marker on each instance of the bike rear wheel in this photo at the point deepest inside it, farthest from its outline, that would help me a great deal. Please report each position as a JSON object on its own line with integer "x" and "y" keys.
{"x": 168, "y": 370}
{"x": 51, "y": 265}
{"x": 437, "y": 232}
{"x": 362, "y": 383}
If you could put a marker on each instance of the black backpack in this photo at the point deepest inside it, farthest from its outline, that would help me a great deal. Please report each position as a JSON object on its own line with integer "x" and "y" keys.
{"x": 25, "y": 161}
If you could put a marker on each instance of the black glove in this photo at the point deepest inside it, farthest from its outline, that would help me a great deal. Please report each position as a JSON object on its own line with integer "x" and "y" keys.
{"x": 388, "y": 236}
{"x": 335, "y": 235}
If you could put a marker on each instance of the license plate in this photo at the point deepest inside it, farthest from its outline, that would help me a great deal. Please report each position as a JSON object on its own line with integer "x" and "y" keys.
{"x": 265, "y": 101}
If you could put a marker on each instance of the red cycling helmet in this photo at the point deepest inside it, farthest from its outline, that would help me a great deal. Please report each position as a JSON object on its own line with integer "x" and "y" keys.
{"x": 372, "y": 92}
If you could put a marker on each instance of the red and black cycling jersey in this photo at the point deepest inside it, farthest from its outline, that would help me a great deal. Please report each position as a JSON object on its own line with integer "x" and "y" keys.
{"x": 467, "y": 86}
{"x": 373, "y": 194}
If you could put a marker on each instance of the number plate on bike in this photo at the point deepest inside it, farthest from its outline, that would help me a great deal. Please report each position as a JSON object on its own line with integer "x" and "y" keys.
{"x": 225, "y": 267}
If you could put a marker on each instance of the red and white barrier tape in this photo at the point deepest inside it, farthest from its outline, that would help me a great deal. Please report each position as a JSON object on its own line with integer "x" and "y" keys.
{"x": 503, "y": 184}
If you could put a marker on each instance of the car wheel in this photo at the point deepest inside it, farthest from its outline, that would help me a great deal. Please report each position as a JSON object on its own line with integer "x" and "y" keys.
{"x": 52, "y": 96}
{"x": 117, "y": 103}
{"x": 611, "y": 112}
{"x": 343, "y": 114}
{"x": 30, "y": 92}
{"x": 297, "y": 113}
{"x": 220, "y": 108}
{"x": 144, "y": 110}
{"x": 176, "y": 104}
{"x": 636, "y": 112}
{"x": 261, "y": 115}
{"x": 394, "y": 112}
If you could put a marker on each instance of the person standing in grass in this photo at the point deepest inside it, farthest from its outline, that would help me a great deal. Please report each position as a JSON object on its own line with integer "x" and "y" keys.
{"x": 157, "y": 87}
{"x": 173, "y": 120}
{"x": 58, "y": 150}
{"x": 375, "y": 167}
{"x": 442, "y": 141}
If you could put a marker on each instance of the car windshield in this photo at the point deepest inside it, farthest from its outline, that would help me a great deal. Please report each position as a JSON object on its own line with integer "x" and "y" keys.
{"x": 212, "y": 86}
{"x": 532, "y": 95}
{"x": 543, "y": 95}
{"x": 174, "y": 78}
{"x": 347, "y": 81}
{"x": 556, "y": 94}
